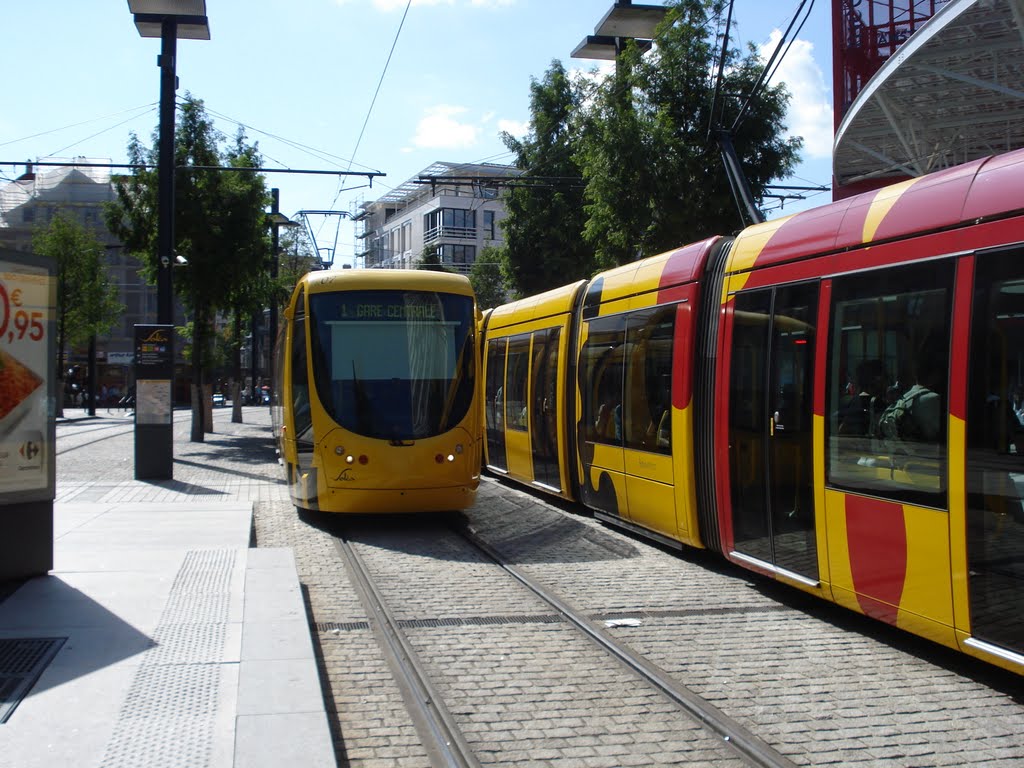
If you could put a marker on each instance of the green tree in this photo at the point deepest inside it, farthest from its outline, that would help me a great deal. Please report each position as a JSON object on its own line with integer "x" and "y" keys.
{"x": 220, "y": 228}
{"x": 87, "y": 302}
{"x": 488, "y": 278}
{"x": 543, "y": 228}
{"x": 296, "y": 256}
{"x": 430, "y": 258}
{"x": 654, "y": 172}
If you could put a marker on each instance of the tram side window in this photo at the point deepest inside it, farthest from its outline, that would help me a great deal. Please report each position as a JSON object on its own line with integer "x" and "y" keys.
{"x": 648, "y": 382}
{"x": 601, "y": 363}
{"x": 495, "y": 393}
{"x": 300, "y": 378}
{"x": 888, "y": 382}
{"x": 515, "y": 382}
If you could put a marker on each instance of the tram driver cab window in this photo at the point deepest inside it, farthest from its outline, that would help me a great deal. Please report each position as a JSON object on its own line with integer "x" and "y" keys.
{"x": 888, "y": 391}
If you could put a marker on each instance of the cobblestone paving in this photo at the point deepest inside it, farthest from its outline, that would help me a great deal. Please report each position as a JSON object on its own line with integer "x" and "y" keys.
{"x": 822, "y": 692}
{"x": 821, "y": 685}
{"x": 523, "y": 692}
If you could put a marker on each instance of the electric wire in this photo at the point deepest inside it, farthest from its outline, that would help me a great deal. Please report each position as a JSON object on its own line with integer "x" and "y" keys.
{"x": 320, "y": 154}
{"x": 380, "y": 82}
{"x": 366, "y": 121}
{"x": 148, "y": 107}
{"x": 93, "y": 136}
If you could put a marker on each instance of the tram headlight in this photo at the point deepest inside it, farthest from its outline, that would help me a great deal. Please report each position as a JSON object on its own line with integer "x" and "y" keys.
{"x": 451, "y": 457}
{"x": 349, "y": 459}
{"x": 458, "y": 449}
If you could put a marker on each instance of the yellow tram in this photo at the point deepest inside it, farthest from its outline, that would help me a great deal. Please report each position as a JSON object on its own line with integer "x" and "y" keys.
{"x": 376, "y": 404}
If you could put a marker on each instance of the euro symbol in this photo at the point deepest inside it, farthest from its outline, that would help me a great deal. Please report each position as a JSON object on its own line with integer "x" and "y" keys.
{"x": 16, "y": 297}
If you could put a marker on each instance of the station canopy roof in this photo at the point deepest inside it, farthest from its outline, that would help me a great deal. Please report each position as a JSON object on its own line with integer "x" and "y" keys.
{"x": 953, "y": 92}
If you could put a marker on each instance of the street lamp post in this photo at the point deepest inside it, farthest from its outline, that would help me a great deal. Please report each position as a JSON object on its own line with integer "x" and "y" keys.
{"x": 277, "y": 220}
{"x": 623, "y": 22}
{"x": 154, "y": 357}
{"x": 168, "y": 20}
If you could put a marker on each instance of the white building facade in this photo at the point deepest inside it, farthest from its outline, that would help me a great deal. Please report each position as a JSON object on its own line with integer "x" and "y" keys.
{"x": 451, "y": 210}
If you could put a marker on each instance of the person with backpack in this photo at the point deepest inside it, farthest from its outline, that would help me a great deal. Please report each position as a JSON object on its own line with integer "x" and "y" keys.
{"x": 916, "y": 416}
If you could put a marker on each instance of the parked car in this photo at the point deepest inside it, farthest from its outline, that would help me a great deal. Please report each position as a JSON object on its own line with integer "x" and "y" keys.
{"x": 218, "y": 400}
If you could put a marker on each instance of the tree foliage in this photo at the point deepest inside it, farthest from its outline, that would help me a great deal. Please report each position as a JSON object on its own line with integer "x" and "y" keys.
{"x": 296, "y": 256}
{"x": 220, "y": 227}
{"x": 655, "y": 177}
{"x": 87, "y": 302}
{"x": 544, "y": 224}
{"x": 488, "y": 278}
{"x": 430, "y": 258}
{"x": 643, "y": 140}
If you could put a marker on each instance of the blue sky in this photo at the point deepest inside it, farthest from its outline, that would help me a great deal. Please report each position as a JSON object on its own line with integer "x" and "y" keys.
{"x": 302, "y": 74}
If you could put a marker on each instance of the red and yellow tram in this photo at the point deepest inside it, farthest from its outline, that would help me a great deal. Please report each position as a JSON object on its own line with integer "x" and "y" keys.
{"x": 834, "y": 399}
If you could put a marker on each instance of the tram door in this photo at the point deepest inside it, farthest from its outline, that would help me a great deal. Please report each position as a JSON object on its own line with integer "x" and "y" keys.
{"x": 494, "y": 396}
{"x": 543, "y": 404}
{"x": 770, "y": 427}
{"x": 995, "y": 452}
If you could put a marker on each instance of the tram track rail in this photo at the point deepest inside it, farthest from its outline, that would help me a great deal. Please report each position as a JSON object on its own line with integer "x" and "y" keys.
{"x": 442, "y": 738}
{"x": 444, "y": 741}
{"x": 757, "y": 751}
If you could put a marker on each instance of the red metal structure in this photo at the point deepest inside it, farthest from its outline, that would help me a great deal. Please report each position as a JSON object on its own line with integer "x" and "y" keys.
{"x": 865, "y": 34}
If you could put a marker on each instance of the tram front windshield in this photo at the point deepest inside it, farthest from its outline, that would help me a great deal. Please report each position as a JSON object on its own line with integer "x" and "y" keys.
{"x": 395, "y": 365}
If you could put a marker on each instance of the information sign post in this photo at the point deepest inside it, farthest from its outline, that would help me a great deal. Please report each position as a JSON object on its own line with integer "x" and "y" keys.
{"x": 28, "y": 407}
{"x": 154, "y": 412}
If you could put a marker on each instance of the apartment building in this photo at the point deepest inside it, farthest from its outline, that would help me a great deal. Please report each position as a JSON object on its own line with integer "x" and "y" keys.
{"x": 452, "y": 210}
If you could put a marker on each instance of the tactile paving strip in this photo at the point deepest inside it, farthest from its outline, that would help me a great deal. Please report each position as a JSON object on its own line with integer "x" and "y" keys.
{"x": 168, "y": 716}
{"x": 22, "y": 661}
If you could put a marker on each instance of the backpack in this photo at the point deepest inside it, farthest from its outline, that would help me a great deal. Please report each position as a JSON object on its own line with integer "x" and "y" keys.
{"x": 897, "y": 422}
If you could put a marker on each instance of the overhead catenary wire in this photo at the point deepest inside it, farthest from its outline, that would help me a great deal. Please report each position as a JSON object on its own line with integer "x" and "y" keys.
{"x": 380, "y": 82}
{"x": 771, "y": 67}
{"x": 320, "y": 154}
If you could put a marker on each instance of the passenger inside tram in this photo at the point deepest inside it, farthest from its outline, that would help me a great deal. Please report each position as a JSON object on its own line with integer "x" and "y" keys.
{"x": 860, "y": 415}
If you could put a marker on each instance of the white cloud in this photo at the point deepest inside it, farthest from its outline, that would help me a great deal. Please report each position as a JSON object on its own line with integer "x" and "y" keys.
{"x": 514, "y": 128}
{"x": 810, "y": 109}
{"x": 440, "y": 128}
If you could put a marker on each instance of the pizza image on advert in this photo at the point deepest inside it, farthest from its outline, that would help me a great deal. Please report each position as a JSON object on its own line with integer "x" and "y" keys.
{"x": 16, "y": 383}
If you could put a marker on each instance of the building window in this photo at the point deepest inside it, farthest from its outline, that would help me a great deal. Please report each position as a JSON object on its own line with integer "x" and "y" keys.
{"x": 457, "y": 254}
{"x": 489, "y": 228}
{"x": 449, "y": 222}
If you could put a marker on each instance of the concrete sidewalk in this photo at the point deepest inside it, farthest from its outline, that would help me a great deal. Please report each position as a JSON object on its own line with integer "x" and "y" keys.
{"x": 160, "y": 638}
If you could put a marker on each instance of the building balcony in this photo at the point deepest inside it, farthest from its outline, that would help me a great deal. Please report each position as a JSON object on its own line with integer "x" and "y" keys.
{"x": 434, "y": 234}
